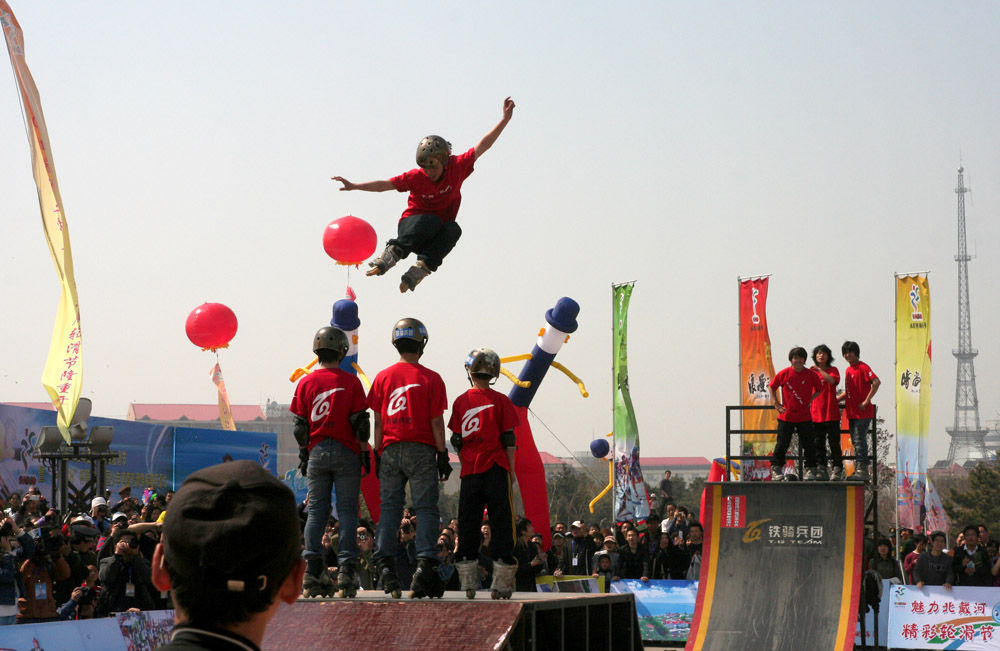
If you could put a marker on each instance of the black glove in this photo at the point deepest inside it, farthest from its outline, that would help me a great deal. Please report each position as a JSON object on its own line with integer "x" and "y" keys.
{"x": 444, "y": 468}
{"x": 303, "y": 461}
{"x": 366, "y": 463}
{"x": 378, "y": 463}
{"x": 456, "y": 442}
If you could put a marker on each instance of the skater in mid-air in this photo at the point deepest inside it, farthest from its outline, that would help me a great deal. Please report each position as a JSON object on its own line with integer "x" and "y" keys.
{"x": 428, "y": 227}
{"x": 482, "y": 424}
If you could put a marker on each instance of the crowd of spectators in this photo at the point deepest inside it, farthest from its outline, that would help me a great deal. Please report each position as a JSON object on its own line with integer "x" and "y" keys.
{"x": 667, "y": 548}
{"x": 918, "y": 559}
{"x": 56, "y": 567}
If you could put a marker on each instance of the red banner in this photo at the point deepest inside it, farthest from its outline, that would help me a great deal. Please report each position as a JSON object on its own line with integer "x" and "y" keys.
{"x": 756, "y": 372}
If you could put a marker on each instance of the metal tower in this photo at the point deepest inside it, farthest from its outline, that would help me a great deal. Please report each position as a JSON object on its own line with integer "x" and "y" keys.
{"x": 968, "y": 437}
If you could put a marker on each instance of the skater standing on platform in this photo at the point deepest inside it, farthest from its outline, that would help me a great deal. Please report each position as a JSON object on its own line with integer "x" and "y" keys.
{"x": 332, "y": 429}
{"x": 482, "y": 424}
{"x": 799, "y": 387}
{"x": 826, "y": 416}
{"x": 230, "y": 554}
{"x": 860, "y": 386}
{"x": 409, "y": 401}
{"x": 428, "y": 227}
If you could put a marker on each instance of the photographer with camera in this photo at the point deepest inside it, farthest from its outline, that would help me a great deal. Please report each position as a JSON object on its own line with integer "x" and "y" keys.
{"x": 80, "y": 604}
{"x": 406, "y": 553}
{"x": 78, "y": 552}
{"x": 126, "y": 577}
{"x": 16, "y": 546}
{"x": 28, "y": 509}
{"x": 39, "y": 573}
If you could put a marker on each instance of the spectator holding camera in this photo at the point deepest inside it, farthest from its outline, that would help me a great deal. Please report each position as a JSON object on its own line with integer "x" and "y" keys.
{"x": 79, "y": 554}
{"x": 16, "y": 546}
{"x": 677, "y": 524}
{"x": 39, "y": 573}
{"x": 13, "y": 504}
{"x": 406, "y": 553}
{"x": 80, "y": 604}
{"x": 126, "y": 577}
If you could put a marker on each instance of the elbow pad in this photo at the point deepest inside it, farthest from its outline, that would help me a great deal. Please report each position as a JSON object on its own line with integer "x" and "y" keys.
{"x": 361, "y": 422}
{"x": 301, "y": 432}
{"x": 508, "y": 440}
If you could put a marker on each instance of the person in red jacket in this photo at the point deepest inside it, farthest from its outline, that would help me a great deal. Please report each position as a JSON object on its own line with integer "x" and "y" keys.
{"x": 860, "y": 386}
{"x": 826, "y": 415}
{"x": 799, "y": 387}
{"x": 428, "y": 227}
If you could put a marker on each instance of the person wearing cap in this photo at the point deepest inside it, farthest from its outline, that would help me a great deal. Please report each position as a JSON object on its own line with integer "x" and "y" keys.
{"x": 124, "y": 493}
{"x": 78, "y": 553}
{"x": 581, "y": 550}
{"x": 11, "y": 583}
{"x": 557, "y": 557}
{"x": 99, "y": 514}
{"x": 609, "y": 548}
{"x": 229, "y": 555}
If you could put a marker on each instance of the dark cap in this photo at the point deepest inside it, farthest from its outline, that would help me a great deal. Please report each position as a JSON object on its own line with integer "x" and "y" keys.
{"x": 233, "y": 527}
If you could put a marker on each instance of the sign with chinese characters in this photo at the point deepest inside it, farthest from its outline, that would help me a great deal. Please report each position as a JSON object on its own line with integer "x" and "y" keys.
{"x": 935, "y": 618}
{"x": 734, "y": 509}
{"x": 756, "y": 371}
{"x": 777, "y": 534}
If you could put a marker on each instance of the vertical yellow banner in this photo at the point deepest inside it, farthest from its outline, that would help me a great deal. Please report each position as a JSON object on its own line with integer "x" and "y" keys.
{"x": 913, "y": 396}
{"x": 62, "y": 377}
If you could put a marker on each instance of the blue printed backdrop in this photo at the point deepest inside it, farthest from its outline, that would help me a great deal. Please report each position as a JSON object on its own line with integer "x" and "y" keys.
{"x": 197, "y": 448}
{"x": 148, "y": 455}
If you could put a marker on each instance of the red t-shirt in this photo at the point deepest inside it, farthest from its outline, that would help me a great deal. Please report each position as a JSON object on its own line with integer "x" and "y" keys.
{"x": 824, "y": 408}
{"x": 479, "y": 415}
{"x": 441, "y": 198}
{"x": 796, "y": 389}
{"x": 407, "y": 397}
{"x": 858, "y": 383}
{"x": 326, "y": 398}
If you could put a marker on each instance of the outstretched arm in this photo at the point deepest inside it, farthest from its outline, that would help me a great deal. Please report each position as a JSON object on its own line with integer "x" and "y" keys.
{"x": 370, "y": 186}
{"x": 491, "y": 137}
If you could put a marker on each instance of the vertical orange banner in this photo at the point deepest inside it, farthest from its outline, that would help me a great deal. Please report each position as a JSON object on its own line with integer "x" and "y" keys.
{"x": 225, "y": 411}
{"x": 756, "y": 371}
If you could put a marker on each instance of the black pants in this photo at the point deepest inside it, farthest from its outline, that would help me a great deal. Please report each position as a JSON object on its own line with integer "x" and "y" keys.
{"x": 428, "y": 237}
{"x": 807, "y": 441}
{"x": 490, "y": 489}
{"x": 828, "y": 432}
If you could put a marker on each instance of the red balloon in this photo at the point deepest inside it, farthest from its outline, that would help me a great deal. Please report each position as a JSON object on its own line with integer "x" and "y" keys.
{"x": 349, "y": 240}
{"x": 211, "y": 326}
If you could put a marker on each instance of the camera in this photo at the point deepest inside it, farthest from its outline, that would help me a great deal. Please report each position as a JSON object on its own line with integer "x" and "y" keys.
{"x": 406, "y": 528}
{"x": 6, "y": 530}
{"x": 87, "y": 596}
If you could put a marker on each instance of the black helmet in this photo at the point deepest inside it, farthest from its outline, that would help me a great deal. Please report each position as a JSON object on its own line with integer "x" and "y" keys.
{"x": 433, "y": 147}
{"x": 330, "y": 338}
{"x": 483, "y": 361}
{"x": 412, "y": 329}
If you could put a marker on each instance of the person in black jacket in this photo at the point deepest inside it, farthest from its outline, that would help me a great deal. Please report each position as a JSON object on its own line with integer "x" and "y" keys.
{"x": 529, "y": 563}
{"x": 126, "y": 577}
{"x": 971, "y": 563}
{"x": 669, "y": 562}
{"x": 633, "y": 561}
{"x": 581, "y": 549}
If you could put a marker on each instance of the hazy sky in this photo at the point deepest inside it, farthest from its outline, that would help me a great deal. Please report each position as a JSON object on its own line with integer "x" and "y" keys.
{"x": 675, "y": 144}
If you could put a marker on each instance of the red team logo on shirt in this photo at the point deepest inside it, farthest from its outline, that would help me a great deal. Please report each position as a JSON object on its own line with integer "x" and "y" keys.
{"x": 321, "y": 406}
{"x": 470, "y": 420}
{"x": 397, "y": 399}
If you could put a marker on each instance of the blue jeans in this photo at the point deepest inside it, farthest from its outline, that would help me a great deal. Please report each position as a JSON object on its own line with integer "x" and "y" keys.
{"x": 332, "y": 465}
{"x": 415, "y": 463}
{"x": 859, "y": 438}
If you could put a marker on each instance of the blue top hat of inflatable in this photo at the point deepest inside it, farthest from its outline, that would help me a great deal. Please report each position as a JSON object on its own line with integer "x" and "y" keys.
{"x": 563, "y": 316}
{"x": 345, "y": 315}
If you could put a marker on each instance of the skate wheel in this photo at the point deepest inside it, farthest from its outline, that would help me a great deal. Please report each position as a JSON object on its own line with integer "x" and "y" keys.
{"x": 413, "y": 595}
{"x": 471, "y": 594}
{"x": 494, "y": 595}
{"x": 396, "y": 594}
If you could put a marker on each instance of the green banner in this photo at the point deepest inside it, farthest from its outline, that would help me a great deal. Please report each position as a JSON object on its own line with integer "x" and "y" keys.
{"x": 631, "y": 498}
